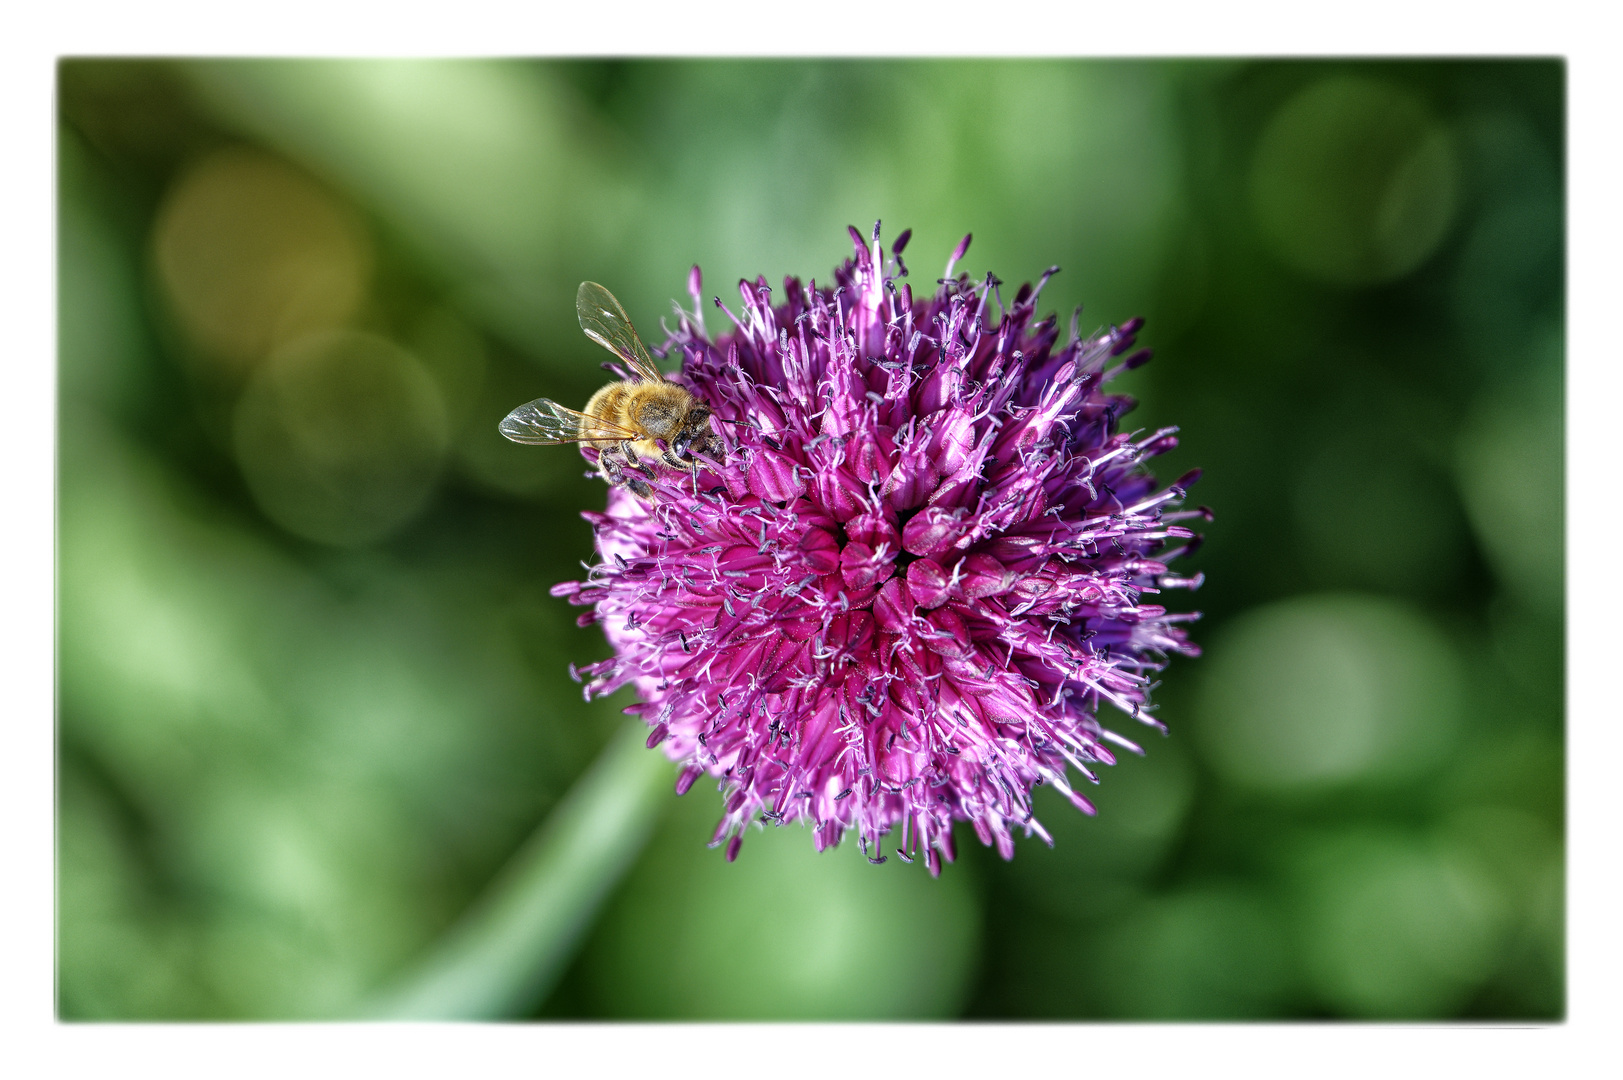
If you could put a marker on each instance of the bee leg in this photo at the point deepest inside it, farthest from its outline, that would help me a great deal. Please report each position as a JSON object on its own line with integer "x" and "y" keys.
{"x": 616, "y": 476}
{"x": 612, "y": 468}
{"x": 669, "y": 457}
{"x": 633, "y": 460}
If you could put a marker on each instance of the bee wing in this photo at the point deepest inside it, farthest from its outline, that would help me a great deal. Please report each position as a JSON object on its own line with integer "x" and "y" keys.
{"x": 546, "y": 423}
{"x": 605, "y": 322}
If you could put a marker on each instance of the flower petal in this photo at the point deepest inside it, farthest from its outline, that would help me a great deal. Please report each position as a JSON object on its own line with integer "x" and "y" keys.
{"x": 928, "y": 582}
{"x": 774, "y": 477}
{"x": 893, "y": 607}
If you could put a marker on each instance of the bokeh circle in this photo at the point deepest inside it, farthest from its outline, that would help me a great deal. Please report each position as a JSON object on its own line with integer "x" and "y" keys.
{"x": 341, "y": 437}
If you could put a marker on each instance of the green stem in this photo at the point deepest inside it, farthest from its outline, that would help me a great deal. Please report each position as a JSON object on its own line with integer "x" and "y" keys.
{"x": 503, "y": 957}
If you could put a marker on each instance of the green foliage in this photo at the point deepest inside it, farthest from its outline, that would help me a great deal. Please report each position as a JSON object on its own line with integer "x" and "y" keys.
{"x": 785, "y": 933}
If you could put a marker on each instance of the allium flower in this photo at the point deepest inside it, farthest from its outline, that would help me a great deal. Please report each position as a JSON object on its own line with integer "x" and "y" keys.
{"x": 917, "y": 577}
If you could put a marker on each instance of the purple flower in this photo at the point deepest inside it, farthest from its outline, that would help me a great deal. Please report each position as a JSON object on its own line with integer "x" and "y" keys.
{"x": 921, "y": 571}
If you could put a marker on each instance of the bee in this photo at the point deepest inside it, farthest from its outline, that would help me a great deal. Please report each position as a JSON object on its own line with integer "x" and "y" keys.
{"x": 625, "y": 421}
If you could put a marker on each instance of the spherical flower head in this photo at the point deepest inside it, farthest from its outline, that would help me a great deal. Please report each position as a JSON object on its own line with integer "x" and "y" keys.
{"x": 918, "y": 575}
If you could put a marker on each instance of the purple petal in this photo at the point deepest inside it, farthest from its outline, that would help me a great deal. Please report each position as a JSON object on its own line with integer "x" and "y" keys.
{"x": 861, "y": 567}
{"x": 933, "y": 531}
{"x": 928, "y": 583}
{"x": 893, "y": 607}
{"x": 773, "y": 477}
{"x": 982, "y": 576}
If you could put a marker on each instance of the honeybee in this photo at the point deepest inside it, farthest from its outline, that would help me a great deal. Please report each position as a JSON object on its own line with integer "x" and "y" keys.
{"x": 624, "y": 419}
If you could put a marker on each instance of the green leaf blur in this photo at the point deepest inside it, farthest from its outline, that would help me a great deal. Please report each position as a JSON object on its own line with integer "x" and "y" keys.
{"x": 314, "y": 692}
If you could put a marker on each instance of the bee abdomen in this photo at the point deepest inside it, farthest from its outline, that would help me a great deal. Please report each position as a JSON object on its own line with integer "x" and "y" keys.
{"x": 609, "y": 403}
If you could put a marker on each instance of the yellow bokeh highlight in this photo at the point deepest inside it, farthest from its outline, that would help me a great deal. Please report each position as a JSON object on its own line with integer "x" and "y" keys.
{"x": 252, "y": 253}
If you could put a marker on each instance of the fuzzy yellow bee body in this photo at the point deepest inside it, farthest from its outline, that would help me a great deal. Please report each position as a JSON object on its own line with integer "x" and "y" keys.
{"x": 633, "y": 423}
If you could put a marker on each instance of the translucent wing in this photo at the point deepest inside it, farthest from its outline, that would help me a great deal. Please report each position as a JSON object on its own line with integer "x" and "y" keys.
{"x": 546, "y": 423}
{"x": 605, "y": 322}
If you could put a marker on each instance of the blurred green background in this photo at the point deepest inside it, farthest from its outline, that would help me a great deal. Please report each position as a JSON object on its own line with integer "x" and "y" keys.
{"x": 313, "y": 691}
